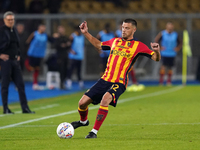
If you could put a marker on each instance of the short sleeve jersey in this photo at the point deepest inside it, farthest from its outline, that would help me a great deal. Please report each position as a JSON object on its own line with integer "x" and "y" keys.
{"x": 123, "y": 55}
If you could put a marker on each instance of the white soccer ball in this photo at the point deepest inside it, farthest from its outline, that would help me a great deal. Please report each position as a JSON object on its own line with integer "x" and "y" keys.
{"x": 65, "y": 130}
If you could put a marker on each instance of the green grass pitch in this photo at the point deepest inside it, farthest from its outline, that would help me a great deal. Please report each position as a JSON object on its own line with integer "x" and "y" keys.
{"x": 158, "y": 118}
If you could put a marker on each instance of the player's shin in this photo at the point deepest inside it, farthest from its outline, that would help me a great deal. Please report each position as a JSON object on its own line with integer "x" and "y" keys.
{"x": 83, "y": 115}
{"x": 162, "y": 73}
{"x": 169, "y": 76}
{"x": 101, "y": 115}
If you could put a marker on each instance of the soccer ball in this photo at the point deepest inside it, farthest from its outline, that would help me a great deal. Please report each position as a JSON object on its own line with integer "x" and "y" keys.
{"x": 65, "y": 130}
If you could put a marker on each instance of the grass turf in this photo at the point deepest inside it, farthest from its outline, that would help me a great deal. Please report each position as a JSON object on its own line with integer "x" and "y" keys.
{"x": 149, "y": 120}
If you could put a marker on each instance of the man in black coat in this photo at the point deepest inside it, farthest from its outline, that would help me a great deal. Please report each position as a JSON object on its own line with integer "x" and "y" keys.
{"x": 9, "y": 60}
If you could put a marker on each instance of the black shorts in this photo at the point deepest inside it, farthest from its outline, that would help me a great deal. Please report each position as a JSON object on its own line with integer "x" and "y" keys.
{"x": 168, "y": 61}
{"x": 97, "y": 91}
{"x": 35, "y": 61}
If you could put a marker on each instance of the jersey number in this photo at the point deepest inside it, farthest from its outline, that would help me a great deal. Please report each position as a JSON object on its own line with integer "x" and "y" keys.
{"x": 115, "y": 87}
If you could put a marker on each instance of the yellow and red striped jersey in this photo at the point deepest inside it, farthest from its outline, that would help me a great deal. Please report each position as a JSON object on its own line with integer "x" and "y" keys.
{"x": 123, "y": 55}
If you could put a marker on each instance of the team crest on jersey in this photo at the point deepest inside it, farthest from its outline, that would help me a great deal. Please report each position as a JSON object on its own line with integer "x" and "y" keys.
{"x": 100, "y": 117}
{"x": 129, "y": 44}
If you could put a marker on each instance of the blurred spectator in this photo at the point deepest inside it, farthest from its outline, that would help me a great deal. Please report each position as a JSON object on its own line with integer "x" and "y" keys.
{"x": 170, "y": 44}
{"x": 23, "y": 35}
{"x": 36, "y": 52}
{"x": 118, "y": 32}
{"x": 76, "y": 56}
{"x": 104, "y": 35}
{"x": 53, "y": 6}
{"x": 62, "y": 45}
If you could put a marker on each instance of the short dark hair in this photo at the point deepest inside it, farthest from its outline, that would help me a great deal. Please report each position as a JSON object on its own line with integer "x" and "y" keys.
{"x": 132, "y": 21}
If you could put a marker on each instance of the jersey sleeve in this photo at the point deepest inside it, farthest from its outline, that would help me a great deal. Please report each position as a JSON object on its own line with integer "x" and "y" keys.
{"x": 144, "y": 50}
{"x": 106, "y": 45}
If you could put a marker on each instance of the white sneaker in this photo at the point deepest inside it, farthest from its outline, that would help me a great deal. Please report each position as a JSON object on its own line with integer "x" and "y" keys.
{"x": 37, "y": 87}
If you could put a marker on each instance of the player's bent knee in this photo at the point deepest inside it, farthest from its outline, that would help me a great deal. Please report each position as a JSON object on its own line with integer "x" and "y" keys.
{"x": 84, "y": 102}
{"x": 107, "y": 98}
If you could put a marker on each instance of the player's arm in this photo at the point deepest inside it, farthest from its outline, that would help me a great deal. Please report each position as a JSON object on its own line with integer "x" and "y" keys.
{"x": 158, "y": 37}
{"x": 156, "y": 55}
{"x": 94, "y": 41}
{"x": 30, "y": 38}
{"x": 179, "y": 46}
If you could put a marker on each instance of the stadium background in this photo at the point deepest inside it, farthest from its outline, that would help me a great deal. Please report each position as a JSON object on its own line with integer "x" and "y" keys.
{"x": 151, "y": 16}
{"x": 159, "y": 117}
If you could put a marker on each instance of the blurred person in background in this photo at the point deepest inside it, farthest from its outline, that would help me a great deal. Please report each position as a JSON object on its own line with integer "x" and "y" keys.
{"x": 36, "y": 52}
{"x": 170, "y": 44}
{"x": 23, "y": 46}
{"x": 76, "y": 56}
{"x": 62, "y": 45}
{"x": 104, "y": 35}
{"x": 118, "y": 32}
{"x": 9, "y": 59}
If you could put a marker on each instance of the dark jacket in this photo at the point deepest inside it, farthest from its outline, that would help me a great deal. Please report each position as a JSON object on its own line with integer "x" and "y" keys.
{"x": 5, "y": 39}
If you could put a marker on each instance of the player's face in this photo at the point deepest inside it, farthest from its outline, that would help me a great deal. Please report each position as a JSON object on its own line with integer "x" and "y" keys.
{"x": 42, "y": 28}
{"x": 61, "y": 30}
{"x": 20, "y": 28}
{"x": 9, "y": 21}
{"x": 170, "y": 27}
{"x": 128, "y": 30}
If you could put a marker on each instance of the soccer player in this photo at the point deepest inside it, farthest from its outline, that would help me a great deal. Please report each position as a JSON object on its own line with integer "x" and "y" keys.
{"x": 123, "y": 54}
{"x": 170, "y": 45}
{"x": 36, "y": 52}
{"x": 118, "y": 33}
{"x": 76, "y": 57}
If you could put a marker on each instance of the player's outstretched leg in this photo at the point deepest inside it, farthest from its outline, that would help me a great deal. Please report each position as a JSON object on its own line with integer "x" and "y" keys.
{"x": 83, "y": 112}
{"x": 101, "y": 115}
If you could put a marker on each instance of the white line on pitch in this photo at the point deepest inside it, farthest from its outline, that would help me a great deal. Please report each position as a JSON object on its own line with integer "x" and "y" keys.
{"x": 143, "y": 124}
{"x": 39, "y": 108}
{"x": 94, "y": 107}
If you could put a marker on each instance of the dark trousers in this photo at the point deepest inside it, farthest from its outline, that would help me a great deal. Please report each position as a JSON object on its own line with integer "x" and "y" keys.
{"x": 62, "y": 68}
{"x": 75, "y": 64}
{"x": 10, "y": 69}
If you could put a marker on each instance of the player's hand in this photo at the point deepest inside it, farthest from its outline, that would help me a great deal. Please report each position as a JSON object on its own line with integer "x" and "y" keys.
{"x": 83, "y": 27}
{"x": 18, "y": 58}
{"x": 4, "y": 57}
{"x": 56, "y": 35}
{"x": 73, "y": 52}
{"x": 155, "y": 46}
{"x": 177, "y": 49}
{"x": 162, "y": 48}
